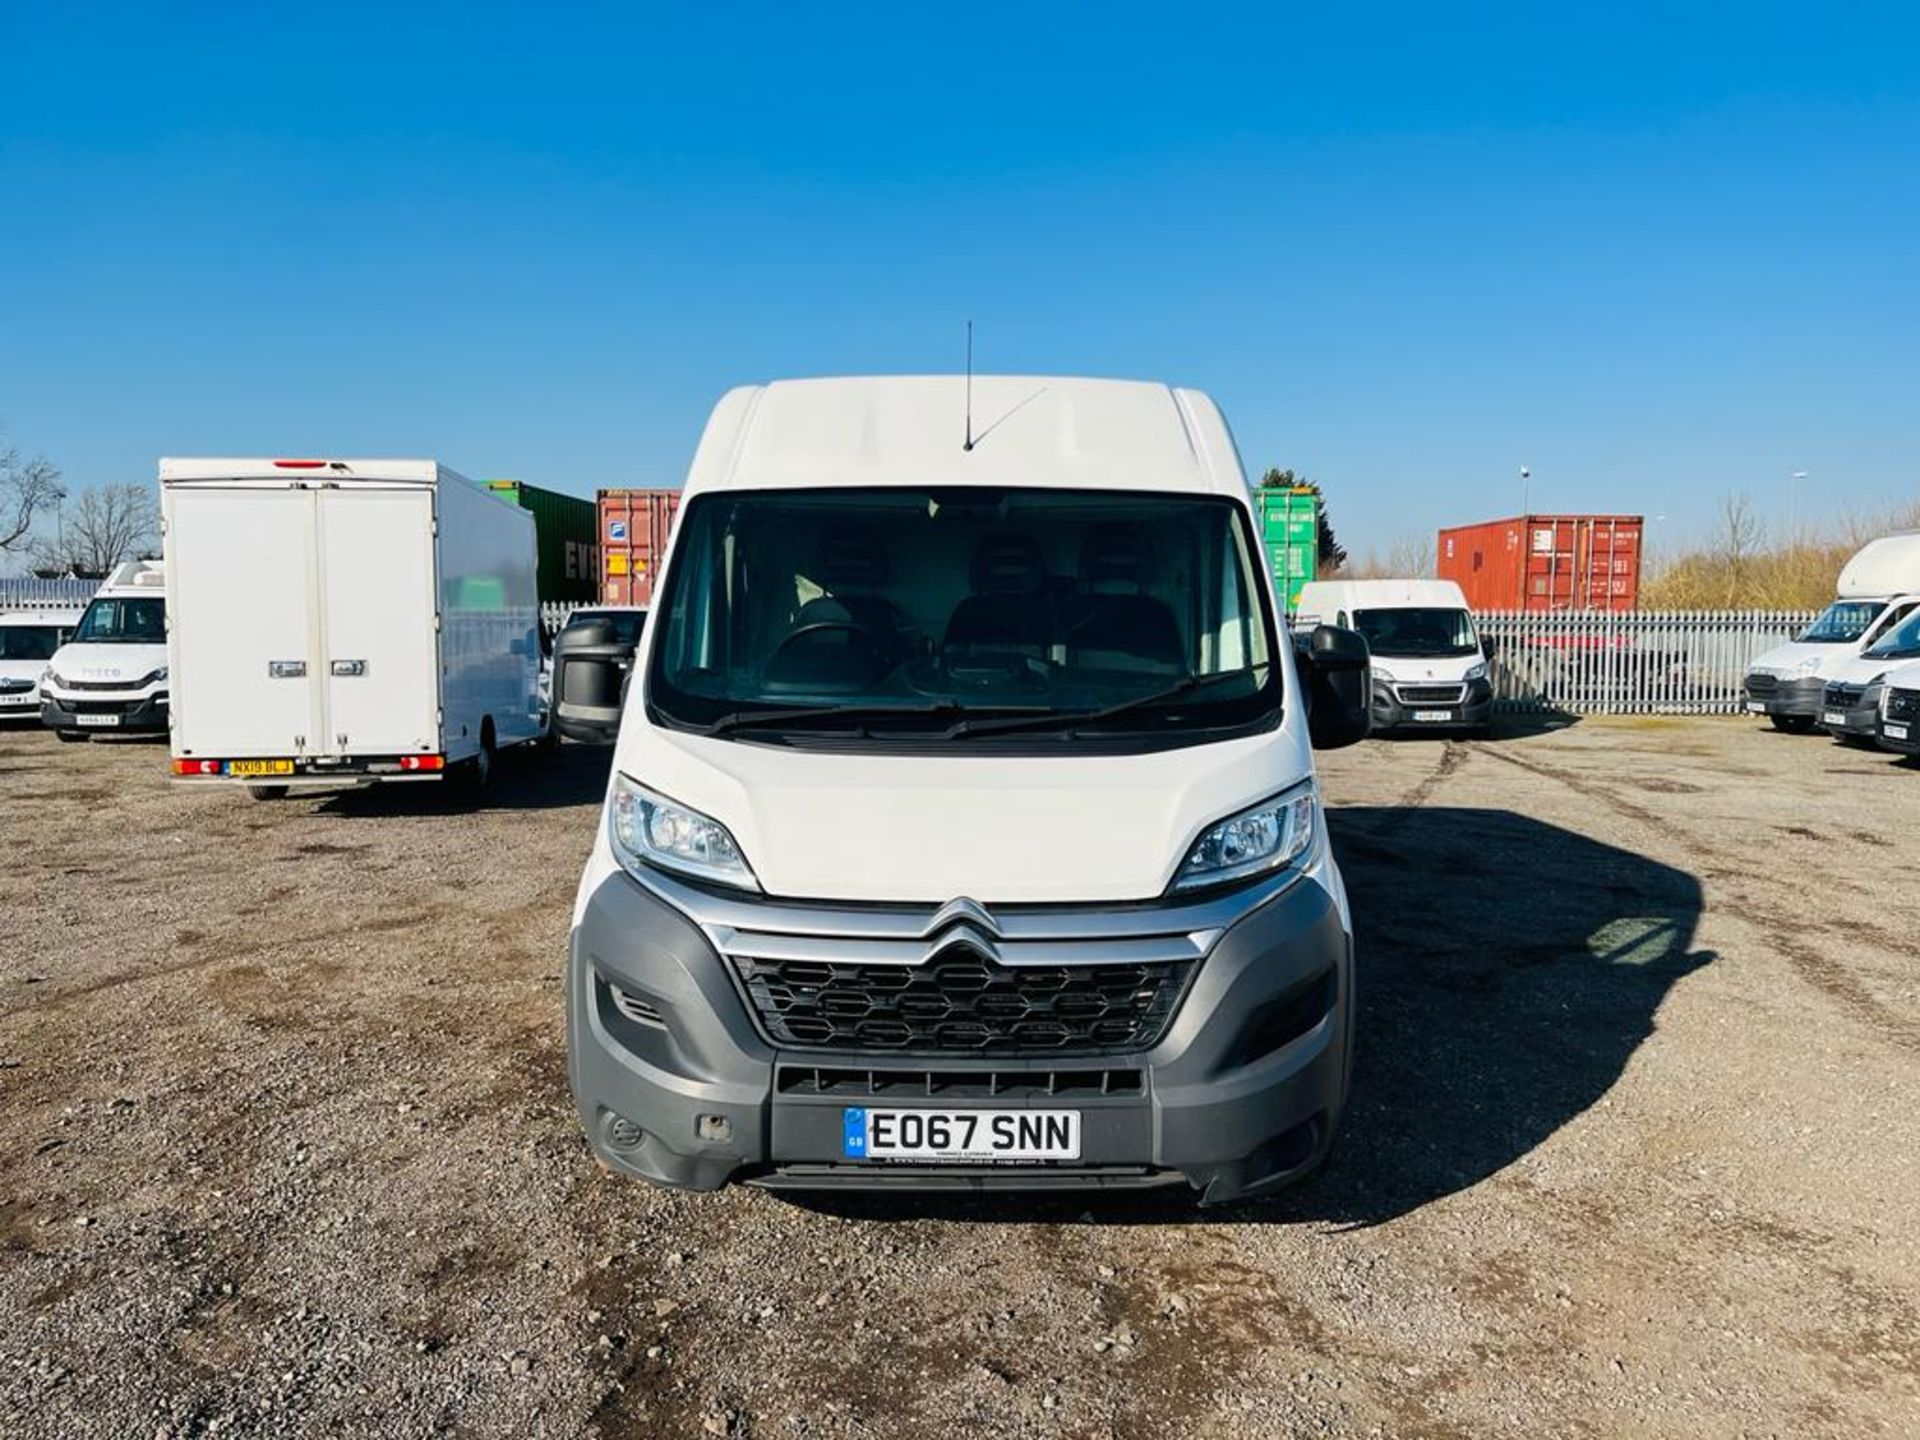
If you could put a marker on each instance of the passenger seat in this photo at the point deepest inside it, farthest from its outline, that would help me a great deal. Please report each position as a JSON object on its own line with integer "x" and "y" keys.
{"x": 1008, "y": 611}
{"x": 1116, "y": 625}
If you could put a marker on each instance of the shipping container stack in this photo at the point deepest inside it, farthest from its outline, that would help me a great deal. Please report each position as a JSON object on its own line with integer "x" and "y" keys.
{"x": 634, "y": 529}
{"x": 1546, "y": 562}
{"x": 1290, "y": 534}
{"x": 564, "y": 528}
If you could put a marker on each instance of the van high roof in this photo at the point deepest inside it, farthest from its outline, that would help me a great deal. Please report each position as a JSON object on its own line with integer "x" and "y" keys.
{"x": 911, "y": 429}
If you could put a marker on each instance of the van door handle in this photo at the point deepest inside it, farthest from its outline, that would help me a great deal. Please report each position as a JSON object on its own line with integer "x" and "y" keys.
{"x": 286, "y": 669}
{"x": 345, "y": 668}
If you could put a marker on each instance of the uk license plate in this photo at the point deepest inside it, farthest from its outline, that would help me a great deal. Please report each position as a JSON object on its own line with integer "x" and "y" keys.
{"x": 1832, "y": 717}
{"x": 22, "y": 699}
{"x": 1438, "y": 716}
{"x": 1896, "y": 732}
{"x": 103, "y": 722}
{"x": 1755, "y": 707}
{"x": 259, "y": 767}
{"x": 960, "y": 1135}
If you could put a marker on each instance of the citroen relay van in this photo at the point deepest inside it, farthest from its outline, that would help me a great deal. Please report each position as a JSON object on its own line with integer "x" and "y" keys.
{"x": 111, "y": 675}
{"x": 963, "y": 829}
{"x": 1429, "y": 663}
{"x": 1878, "y": 588}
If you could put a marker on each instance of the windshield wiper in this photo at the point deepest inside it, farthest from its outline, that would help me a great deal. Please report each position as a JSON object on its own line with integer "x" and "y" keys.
{"x": 764, "y": 719}
{"x": 1072, "y": 720}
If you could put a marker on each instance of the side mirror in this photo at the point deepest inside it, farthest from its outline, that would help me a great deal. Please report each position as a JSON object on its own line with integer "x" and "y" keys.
{"x": 1489, "y": 645}
{"x": 1338, "y": 673}
{"x": 591, "y": 667}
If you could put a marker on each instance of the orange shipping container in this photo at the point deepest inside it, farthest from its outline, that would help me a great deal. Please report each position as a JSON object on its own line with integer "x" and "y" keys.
{"x": 1546, "y": 562}
{"x": 634, "y": 526}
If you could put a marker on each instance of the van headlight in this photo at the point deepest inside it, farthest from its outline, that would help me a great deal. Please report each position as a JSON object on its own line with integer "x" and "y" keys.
{"x": 1271, "y": 835}
{"x": 1476, "y": 672}
{"x": 649, "y": 829}
{"x": 48, "y": 677}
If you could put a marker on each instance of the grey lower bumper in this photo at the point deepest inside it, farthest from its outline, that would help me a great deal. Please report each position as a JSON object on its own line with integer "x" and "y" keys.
{"x": 1795, "y": 699}
{"x": 1242, "y": 1094}
{"x": 1475, "y": 712}
{"x": 1859, "y": 723}
{"x": 133, "y": 716}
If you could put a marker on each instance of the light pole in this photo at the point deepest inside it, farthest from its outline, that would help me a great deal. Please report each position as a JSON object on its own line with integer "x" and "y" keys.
{"x": 1793, "y": 504}
{"x": 1526, "y": 476}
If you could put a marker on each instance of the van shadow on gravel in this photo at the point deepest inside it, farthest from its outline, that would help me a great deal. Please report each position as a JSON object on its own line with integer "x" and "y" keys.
{"x": 1508, "y": 969}
{"x": 524, "y": 778}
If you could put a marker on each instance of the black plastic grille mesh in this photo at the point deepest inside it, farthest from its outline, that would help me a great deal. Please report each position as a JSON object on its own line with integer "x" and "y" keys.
{"x": 960, "y": 1002}
{"x": 1903, "y": 705}
{"x": 1762, "y": 684}
{"x": 1844, "y": 697}
{"x": 1429, "y": 694}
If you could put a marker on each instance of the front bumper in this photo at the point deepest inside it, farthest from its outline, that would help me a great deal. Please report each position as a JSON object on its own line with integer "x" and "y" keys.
{"x": 1860, "y": 722}
{"x": 1898, "y": 727}
{"x": 1792, "y": 698}
{"x": 20, "y": 704}
{"x": 1242, "y": 1093}
{"x": 1472, "y": 711}
{"x": 104, "y": 714}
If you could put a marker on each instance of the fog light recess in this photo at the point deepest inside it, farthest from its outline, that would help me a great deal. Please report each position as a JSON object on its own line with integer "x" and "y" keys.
{"x": 621, "y": 1133}
{"x": 713, "y": 1127}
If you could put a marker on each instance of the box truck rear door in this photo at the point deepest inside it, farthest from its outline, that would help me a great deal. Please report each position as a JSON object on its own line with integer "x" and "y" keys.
{"x": 381, "y": 669}
{"x": 240, "y": 582}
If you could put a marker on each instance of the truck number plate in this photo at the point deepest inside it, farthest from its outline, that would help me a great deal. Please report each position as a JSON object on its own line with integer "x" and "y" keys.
{"x": 1832, "y": 717}
{"x": 1440, "y": 715}
{"x": 1755, "y": 707}
{"x": 102, "y": 721}
{"x": 1896, "y": 732}
{"x": 259, "y": 767}
{"x": 937, "y": 1135}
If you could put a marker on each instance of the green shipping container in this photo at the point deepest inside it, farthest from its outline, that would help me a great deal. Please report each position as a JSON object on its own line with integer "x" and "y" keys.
{"x": 1290, "y": 532}
{"x": 567, "y": 538}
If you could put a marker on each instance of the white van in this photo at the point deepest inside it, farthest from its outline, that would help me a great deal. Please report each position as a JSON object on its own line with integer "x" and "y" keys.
{"x": 111, "y": 675}
{"x": 1850, "y": 705}
{"x": 28, "y": 640}
{"x": 963, "y": 829}
{"x": 346, "y": 622}
{"x": 1878, "y": 588}
{"x": 1898, "y": 727}
{"x": 1429, "y": 663}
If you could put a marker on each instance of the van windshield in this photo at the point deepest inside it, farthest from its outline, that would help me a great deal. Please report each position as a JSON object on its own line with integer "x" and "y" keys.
{"x": 28, "y": 642}
{"x": 1841, "y": 623}
{"x": 1029, "y": 617}
{"x": 1418, "y": 632}
{"x": 1902, "y": 642}
{"x": 137, "y": 621}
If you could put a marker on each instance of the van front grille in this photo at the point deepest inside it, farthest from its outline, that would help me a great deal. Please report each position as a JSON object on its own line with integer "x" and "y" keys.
{"x": 1430, "y": 694}
{"x": 1903, "y": 705}
{"x": 1761, "y": 683}
{"x": 963, "y": 1003}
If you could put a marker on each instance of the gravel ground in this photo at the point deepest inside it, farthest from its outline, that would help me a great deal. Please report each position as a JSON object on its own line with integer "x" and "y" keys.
{"x": 286, "y": 1146}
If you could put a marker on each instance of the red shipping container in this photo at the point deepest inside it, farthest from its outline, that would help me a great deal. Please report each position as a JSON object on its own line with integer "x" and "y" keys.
{"x": 1546, "y": 562}
{"x": 634, "y": 526}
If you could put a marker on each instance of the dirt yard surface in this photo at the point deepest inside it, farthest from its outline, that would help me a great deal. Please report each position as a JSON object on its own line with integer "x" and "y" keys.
{"x": 286, "y": 1145}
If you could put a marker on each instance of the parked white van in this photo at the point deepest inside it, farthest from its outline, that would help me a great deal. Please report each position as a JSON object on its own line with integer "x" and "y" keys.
{"x": 342, "y": 622}
{"x": 1850, "y": 706}
{"x": 1878, "y": 588}
{"x": 111, "y": 675}
{"x": 1429, "y": 663}
{"x": 28, "y": 640}
{"x": 1899, "y": 723}
{"x": 963, "y": 829}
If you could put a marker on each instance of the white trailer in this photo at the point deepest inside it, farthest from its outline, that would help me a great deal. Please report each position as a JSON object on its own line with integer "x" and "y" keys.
{"x": 346, "y": 621}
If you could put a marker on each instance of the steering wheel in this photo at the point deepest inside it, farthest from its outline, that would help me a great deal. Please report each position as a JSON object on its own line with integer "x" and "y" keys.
{"x": 860, "y": 639}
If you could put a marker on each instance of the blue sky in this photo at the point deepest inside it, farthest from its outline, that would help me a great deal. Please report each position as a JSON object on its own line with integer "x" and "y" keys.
{"x": 1407, "y": 247}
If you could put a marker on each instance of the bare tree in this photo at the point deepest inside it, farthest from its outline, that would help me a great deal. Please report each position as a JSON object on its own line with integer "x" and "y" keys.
{"x": 108, "y": 524}
{"x": 27, "y": 488}
{"x": 1738, "y": 542}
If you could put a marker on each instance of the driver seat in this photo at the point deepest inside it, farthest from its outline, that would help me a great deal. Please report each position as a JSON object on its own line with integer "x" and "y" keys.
{"x": 850, "y": 564}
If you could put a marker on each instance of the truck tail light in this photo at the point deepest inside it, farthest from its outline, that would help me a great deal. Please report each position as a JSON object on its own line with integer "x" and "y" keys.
{"x": 423, "y": 762}
{"x": 197, "y": 767}
{"x": 299, "y": 464}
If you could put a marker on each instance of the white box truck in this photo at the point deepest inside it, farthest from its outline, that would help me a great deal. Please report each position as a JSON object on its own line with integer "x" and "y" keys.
{"x": 346, "y": 621}
{"x": 963, "y": 830}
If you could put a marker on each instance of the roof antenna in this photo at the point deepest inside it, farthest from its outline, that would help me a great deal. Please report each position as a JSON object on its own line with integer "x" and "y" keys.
{"x": 969, "y": 441}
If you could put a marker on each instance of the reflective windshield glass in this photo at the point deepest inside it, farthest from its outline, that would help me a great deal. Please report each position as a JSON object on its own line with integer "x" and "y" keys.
{"x": 1901, "y": 642}
{"x": 28, "y": 642}
{"x": 1841, "y": 623}
{"x": 1418, "y": 632}
{"x": 141, "y": 621}
{"x": 888, "y": 614}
